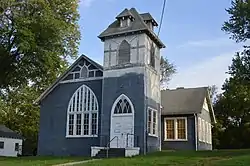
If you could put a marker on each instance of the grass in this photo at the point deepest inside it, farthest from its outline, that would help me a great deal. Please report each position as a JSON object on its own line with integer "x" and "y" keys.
{"x": 182, "y": 158}
{"x": 37, "y": 161}
{"x": 164, "y": 158}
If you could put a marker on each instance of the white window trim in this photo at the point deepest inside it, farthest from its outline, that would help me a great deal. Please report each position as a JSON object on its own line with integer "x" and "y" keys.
{"x": 82, "y": 114}
{"x": 205, "y": 131}
{"x": 200, "y": 129}
{"x": 175, "y": 129}
{"x": 150, "y": 133}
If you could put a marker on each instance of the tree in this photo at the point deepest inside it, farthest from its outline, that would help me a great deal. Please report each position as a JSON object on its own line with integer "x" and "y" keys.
{"x": 233, "y": 106}
{"x": 238, "y": 24}
{"x": 167, "y": 69}
{"x": 19, "y": 114}
{"x": 213, "y": 92}
{"x": 36, "y": 37}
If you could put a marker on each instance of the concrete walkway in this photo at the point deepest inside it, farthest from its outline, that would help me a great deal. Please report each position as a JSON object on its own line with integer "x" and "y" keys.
{"x": 75, "y": 163}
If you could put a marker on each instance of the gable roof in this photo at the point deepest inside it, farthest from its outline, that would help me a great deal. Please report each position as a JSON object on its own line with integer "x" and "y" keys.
{"x": 137, "y": 25}
{"x": 50, "y": 88}
{"x": 8, "y": 133}
{"x": 185, "y": 101}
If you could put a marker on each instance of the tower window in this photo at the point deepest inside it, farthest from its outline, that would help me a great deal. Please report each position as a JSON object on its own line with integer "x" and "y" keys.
{"x": 124, "y": 53}
{"x": 152, "y": 56}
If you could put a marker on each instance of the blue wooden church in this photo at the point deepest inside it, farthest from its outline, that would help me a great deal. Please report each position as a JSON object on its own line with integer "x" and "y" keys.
{"x": 119, "y": 104}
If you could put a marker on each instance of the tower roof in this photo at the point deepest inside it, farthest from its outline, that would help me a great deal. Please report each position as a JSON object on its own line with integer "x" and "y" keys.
{"x": 138, "y": 25}
{"x": 125, "y": 13}
{"x": 148, "y": 17}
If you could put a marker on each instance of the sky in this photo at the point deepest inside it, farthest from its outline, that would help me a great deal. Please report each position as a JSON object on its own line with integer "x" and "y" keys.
{"x": 191, "y": 31}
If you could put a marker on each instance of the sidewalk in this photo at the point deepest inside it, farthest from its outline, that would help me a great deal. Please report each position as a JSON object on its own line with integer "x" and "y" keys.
{"x": 75, "y": 163}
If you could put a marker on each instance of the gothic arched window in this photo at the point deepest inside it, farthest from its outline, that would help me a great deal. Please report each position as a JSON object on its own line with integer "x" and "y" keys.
{"x": 152, "y": 56}
{"x": 124, "y": 53}
{"x": 123, "y": 106}
{"x": 82, "y": 115}
{"x": 84, "y": 72}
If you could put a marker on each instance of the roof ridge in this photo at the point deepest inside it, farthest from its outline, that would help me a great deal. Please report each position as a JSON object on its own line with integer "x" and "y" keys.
{"x": 201, "y": 87}
{"x": 124, "y": 13}
{"x": 139, "y": 16}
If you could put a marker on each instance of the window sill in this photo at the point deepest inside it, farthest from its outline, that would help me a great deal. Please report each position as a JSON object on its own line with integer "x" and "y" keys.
{"x": 81, "y": 136}
{"x": 153, "y": 135}
{"x": 172, "y": 140}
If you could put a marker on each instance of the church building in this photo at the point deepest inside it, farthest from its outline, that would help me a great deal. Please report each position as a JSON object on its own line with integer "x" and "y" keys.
{"x": 119, "y": 104}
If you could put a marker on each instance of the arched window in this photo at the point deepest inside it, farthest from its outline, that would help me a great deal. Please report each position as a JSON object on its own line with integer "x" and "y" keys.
{"x": 152, "y": 56}
{"x": 123, "y": 106}
{"x": 82, "y": 115}
{"x": 84, "y": 72}
{"x": 124, "y": 53}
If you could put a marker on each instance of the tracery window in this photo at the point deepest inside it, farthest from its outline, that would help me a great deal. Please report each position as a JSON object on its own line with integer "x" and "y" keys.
{"x": 123, "y": 106}
{"x": 82, "y": 115}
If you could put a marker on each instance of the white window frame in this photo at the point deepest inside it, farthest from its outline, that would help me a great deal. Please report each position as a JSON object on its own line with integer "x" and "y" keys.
{"x": 200, "y": 128}
{"x": 150, "y": 132}
{"x": 175, "y": 129}
{"x": 85, "y": 109}
{"x": 209, "y": 133}
{"x": 206, "y": 132}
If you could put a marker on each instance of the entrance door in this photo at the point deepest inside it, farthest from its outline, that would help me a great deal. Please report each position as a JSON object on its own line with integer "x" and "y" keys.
{"x": 122, "y": 123}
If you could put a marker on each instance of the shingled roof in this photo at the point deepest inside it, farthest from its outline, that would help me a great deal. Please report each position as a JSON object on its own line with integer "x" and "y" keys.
{"x": 185, "y": 101}
{"x": 8, "y": 133}
{"x": 137, "y": 25}
{"x": 125, "y": 13}
{"x": 148, "y": 17}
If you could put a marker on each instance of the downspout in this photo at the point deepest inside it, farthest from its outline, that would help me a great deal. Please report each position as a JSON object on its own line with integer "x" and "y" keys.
{"x": 196, "y": 138}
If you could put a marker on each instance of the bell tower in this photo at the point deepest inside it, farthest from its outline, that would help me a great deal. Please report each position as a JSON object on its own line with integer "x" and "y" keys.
{"x": 131, "y": 83}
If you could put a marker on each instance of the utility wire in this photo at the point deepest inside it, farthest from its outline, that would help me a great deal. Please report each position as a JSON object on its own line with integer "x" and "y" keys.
{"x": 162, "y": 15}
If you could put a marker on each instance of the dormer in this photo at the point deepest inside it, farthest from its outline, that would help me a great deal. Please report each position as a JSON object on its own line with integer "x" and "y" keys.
{"x": 125, "y": 18}
{"x": 149, "y": 20}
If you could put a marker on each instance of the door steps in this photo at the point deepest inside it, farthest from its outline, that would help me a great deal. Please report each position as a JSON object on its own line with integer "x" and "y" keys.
{"x": 110, "y": 153}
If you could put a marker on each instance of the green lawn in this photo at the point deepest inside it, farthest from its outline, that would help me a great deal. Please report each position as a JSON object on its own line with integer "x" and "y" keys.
{"x": 165, "y": 158}
{"x": 37, "y": 161}
{"x": 205, "y": 158}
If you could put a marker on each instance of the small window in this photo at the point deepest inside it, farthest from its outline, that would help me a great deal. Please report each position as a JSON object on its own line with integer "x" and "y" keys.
{"x": 77, "y": 75}
{"x": 1, "y": 145}
{"x": 175, "y": 129}
{"x": 84, "y": 72}
{"x": 16, "y": 146}
{"x": 200, "y": 129}
{"x": 170, "y": 128}
{"x": 181, "y": 129}
{"x": 152, "y": 56}
{"x": 91, "y": 73}
{"x": 152, "y": 122}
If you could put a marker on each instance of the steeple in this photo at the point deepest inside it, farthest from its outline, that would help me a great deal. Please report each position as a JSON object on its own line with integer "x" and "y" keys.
{"x": 131, "y": 22}
{"x": 125, "y": 18}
